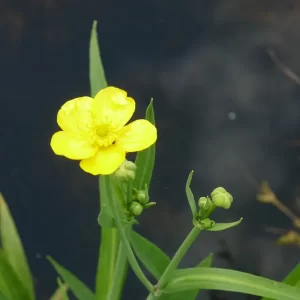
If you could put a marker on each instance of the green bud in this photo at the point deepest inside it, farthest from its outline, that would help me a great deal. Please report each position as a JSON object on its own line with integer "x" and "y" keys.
{"x": 207, "y": 223}
{"x": 221, "y": 198}
{"x": 126, "y": 171}
{"x": 129, "y": 165}
{"x": 204, "y": 203}
{"x": 135, "y": 208}
{"x": 142, "y": 197}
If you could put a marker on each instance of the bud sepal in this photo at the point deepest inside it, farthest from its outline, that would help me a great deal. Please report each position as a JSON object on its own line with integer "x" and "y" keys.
{"x": 221, "y": 198}
{"x": 126, "y": 171}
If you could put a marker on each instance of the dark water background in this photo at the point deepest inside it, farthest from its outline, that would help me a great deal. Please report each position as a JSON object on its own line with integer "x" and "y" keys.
{"x": 223, "y": 108}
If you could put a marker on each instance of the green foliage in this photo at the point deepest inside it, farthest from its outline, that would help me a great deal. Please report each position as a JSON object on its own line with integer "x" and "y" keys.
{"x": 62, "y": 291}
{"x": 224, "y": 226}
{"x": 13, "y": 255}
{"x": 192, "y": 294}
{"x": 229, "y": 280}
{"x": 109, "y": 237}
{"x": 145, "y": 159}
{"x": 156, "y": 261}
{"x": 10, "y": 284}
{"x": 152, "y": 257}
{"x": 190, "y": 196}
{"x": 97, "y": 74}
{"x": 105, "y": 218}
{"x": 79, "y": 289}
{"x": 293, "y": 278}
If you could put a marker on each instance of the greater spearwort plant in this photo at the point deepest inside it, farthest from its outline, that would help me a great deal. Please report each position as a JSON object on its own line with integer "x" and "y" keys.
{"x": 94, "y": 132}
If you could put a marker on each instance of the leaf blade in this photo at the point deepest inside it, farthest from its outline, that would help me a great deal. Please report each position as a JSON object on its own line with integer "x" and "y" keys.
{"x": 10, "y": 284}
{"x": 61, "y": 291}
{"x": 190, "y": 195}
{"x": 230, "y": 280}
{"x": 190, "y": 295}
{"x": 145, "y": 159}
{"x": 293, "y": 278}
{"x": 97, "y": 74}
{"x": 155, "y": 263}
{"x": 79, "y": 289}
{"x": 224, "y": 226}
{"x": 109, "y": 237}
{"x": 13, "y": 248}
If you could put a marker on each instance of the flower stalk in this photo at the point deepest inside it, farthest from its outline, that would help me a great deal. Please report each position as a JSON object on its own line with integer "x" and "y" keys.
{"x": 182, "y": 250}
{"x": 123, "y": 237}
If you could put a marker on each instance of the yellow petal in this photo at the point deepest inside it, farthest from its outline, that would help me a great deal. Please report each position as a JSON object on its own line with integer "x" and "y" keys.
{"x": 112, "y": 106}
{"x": 76, "y": 115}
{"x": 72, "y": 146}
{"x": 137, "y": 136}
{"x": 105, "y": 161}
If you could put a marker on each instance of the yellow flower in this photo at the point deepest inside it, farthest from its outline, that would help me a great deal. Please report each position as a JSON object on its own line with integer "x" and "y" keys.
{"x": 94, "y": 131}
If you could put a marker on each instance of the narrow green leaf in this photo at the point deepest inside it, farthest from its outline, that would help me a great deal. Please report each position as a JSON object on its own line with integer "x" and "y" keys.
{"x": 109, "y": 236}
{"x": 97, "y": 75}
{"x": 105, "y": 219}
{"x": 230, "y": 280}
{"x": 79, "y": 289}
{"x": 190, "y": 195}
{"x": 10, "y": 285}
{"x": 61, "y": 292}
{"x": 189, "y": 295}
{"x": 13, "y": 248}
{"x": 223, "y": 226}
{"x": 152, "y": 257}
{"x": 145, "y": 159}
{"x": 293, "y": 278}
{"x": 207, "y": 261}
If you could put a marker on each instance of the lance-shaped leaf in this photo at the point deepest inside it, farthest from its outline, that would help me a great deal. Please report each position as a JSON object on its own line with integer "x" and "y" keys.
{"x": 230, "y": 280}
{"x": 79, "y": 289}
{"x": 109, "y": 237}
{"x": 189, "y": 295}
{"x": 190, "y": 195}
{"x": 223, "y": 226}
{"x": 10, "y": 284}
{"x": 13, "y": 248}
{"x": 105, "y": 218}
{"x": 62, "y": 291}
{"x": 152, "y": 257}
{"x": 145, "y": 159}
{"x": 97, "y": 74}
{"x": 293, "y": 278}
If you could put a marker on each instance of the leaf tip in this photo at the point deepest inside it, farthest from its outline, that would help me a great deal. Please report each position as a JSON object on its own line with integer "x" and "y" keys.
{"x": 95, "y": 22}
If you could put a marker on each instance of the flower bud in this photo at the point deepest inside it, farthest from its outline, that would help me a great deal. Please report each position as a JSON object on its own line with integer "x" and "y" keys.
{"x": 290, "y": 238}
{"x": 129, "y": 165}
{"x": 204, "y": 203}
{"x": 135, "y": 208}
{"x": 126, "y": 171}
{"x": 207, "y": 223}
{"x": 142, "y": 197}
{"x": 221, "y": 198}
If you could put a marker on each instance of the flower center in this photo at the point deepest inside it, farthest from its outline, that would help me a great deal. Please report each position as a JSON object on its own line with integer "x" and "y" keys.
{"x": 105, "y": 135}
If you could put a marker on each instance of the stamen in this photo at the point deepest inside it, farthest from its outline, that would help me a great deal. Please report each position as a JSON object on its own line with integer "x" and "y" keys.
{"x": 105, "y": 135}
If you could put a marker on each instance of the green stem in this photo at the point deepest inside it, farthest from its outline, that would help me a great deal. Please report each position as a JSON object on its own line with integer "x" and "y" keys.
{"x": 119, "y": 276}
{"x": 176, "y": 260}
{"x": 107, "y": 253}
{"x": 130, "y": 255}
{"x": 106, "y": 262}
{"x": 121, "y": 267}
{"x": 129, "y": 192}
